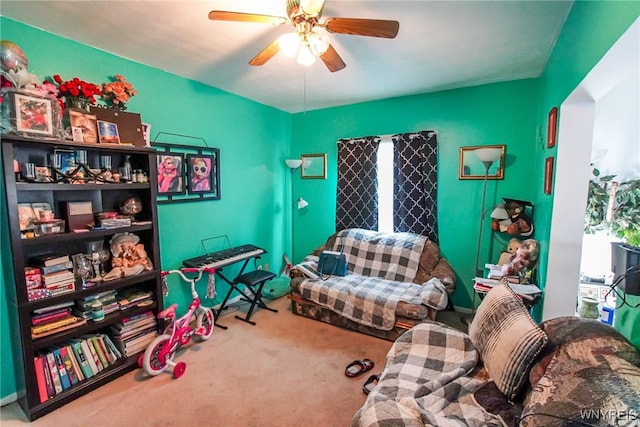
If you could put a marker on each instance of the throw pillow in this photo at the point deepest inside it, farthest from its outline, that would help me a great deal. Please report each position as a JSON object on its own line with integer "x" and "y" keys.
{"x": 507, "y": 339}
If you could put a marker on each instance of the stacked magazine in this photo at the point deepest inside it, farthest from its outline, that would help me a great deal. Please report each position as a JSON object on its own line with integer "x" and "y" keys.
{"x": 134, "y": 333}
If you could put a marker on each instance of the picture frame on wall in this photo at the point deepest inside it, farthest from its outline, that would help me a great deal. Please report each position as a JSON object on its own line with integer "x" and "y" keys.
{"x": 200, "y": 173}
{"x": 170, "y": 174}
{"x": 548, "y": 175}
{"x": 108, "y": 132}
{"x": 552, "y": 127}
{"x": 33, "y": 115}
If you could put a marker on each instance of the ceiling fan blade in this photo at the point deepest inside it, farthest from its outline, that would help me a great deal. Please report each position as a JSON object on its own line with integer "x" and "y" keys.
{"x": 363, "y": 27}
{"x": 266, "y": 54}
{"x": 332, "y": 60}
{"x": 221, "y": 15}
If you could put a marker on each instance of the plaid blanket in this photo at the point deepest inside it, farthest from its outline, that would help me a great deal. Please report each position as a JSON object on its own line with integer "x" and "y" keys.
{"x": 381, "y": 268}
{"x": 391, "y": 256}
{"x": 425, "y": 382}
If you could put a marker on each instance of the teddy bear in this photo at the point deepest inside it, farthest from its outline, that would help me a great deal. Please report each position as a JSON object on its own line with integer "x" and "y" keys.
{"x": 513, "y": 245}
{"x": 518, "y": 223}
{"x": 523, "y": 260}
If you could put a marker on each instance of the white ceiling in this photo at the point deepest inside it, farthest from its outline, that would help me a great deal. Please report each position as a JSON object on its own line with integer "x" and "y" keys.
{"x": 440, "y": 45}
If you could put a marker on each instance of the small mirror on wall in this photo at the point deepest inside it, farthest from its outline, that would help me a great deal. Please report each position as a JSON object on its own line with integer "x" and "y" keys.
{"x": 473, "y": 165}
{"x": 314, "y": 166}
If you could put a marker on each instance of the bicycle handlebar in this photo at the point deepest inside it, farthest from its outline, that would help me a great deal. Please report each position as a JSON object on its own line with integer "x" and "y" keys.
{"x": 182, "y": 271}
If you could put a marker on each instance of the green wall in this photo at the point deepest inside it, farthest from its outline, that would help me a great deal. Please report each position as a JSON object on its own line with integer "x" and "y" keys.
{"x": 591, "y": 29}
{"x": 501, "y": 113}
{"x": 253, "y": 139}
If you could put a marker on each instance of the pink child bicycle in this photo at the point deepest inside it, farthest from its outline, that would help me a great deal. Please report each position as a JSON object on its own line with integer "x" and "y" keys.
{"x": 160, "y": 352}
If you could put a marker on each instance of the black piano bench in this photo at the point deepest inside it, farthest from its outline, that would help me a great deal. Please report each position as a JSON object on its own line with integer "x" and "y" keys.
{"x": 254, "y": 282}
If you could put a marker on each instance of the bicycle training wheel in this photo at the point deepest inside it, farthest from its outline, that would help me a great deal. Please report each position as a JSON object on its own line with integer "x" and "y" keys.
{"x": 152, "y": 362}
{"x": 206, "y": 320}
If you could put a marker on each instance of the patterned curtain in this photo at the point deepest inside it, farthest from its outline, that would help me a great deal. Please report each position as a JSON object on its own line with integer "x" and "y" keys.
{"x": 357, "y": 195}
{"x": 416, "y": 183}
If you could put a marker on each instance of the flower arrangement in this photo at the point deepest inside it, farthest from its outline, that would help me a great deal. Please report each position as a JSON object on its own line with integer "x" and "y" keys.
{"x": 118, "y": 92}
{"x": 76, "y": 88}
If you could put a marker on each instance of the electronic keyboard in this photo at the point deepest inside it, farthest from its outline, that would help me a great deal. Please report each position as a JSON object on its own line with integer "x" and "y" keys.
{"x": 224, "y": 257}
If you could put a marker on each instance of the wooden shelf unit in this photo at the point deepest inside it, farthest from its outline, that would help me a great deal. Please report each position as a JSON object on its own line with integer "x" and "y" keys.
{"x": 104, "y": 197}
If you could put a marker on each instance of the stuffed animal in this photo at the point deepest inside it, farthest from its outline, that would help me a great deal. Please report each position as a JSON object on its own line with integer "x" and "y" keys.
{"x": 505, "y": 256}
{"x": 523, "y": 260}
{"x": 518, "y": 223}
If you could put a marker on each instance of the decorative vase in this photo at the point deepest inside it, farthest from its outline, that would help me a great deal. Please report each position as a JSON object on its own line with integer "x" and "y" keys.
{"x": 588, "y": 308}
{"x": 77, "y": 102}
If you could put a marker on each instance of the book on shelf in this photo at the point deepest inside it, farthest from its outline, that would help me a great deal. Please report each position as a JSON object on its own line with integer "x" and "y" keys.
{"x": 43, "y": 394}
{"x": 86, "y": 351}
{"x": 57, "y": 277}
{"x": 39, "y": 319}
{"x": 62, "y": 370}
{"x": 81, "y": 357}
{"x": 92, "y": 351}
{"x": 32, "y": 277}
{"x": 55, "y": 327}
{"x": 47, "y": 260}
{"x": 136, "y": 317}
{"x": 53, "y": 369}
{"x": 74, "y": 362}
{"x": 68, "y": 365}
{"x": 100, "y": 351}
{"x": 67, "y": 265}
{"x": 111, "y": 346}
{"x": 50, "y": 308}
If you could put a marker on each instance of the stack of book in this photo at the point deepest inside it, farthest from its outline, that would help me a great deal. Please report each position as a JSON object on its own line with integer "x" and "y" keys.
{"x": 107, "y": 298}
{"x": 524, "y": 291}
{"x": 134, "y": 333}
{"x": 56, "y": 318}
{"x": 63, "y": 366}
{"x": 54, "y": 276}
{"x": 134, "y": 297}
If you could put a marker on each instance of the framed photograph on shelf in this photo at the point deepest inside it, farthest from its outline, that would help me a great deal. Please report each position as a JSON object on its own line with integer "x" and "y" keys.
{"x": 200, "y": 173}
{"x": 83, "y": 126}
{"x": 552, "y": 127}
{"x": 146, "y": 133}
{"x": 108, "y": 132}
{"x": 33, "y": 115}
{"x": 170, "y": 174}
{"x": 64, "y": 160}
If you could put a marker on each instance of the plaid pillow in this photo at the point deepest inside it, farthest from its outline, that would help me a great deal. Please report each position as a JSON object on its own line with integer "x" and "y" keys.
{"x": 507, "y": 339}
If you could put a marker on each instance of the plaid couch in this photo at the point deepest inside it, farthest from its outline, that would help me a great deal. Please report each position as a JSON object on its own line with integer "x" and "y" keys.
{"x": 394, "y": 281}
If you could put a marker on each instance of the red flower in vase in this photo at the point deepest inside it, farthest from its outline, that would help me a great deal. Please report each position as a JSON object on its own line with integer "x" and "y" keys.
{"x": 77, "y": 88}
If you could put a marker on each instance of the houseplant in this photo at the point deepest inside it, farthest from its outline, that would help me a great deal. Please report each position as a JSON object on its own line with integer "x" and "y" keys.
{"x": 614, "y": 208}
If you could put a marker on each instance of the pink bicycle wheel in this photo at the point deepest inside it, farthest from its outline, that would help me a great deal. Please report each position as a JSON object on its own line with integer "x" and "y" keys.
{"x": 179, "y": 369}
{"x": 155, "y": 359}
{"x": 206, "y": 321}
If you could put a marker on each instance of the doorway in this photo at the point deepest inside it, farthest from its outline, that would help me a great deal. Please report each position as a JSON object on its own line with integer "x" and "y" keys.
{"x": 580, "y": 115}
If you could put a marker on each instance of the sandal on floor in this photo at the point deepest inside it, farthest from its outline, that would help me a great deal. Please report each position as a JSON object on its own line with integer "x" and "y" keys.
{"x": 358, "y": 367}
{"x": 370, "y": 383}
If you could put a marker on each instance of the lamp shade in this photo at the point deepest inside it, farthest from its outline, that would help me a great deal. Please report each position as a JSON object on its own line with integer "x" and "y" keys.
{"x": 488, "y": 154}
{"x": 293, "y": 163}
{"x": 302, "y": 203}
{"x": 500, "y": 212}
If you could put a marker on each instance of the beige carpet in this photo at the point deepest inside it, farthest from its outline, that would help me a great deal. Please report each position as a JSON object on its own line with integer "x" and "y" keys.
{"x": 285, "y": 371}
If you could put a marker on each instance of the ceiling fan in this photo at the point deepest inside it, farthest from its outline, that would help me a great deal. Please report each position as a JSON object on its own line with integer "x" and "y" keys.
{"x": 306, "y": 44}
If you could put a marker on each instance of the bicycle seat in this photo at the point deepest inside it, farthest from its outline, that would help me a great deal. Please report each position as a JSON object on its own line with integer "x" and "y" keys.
{"x": 168, "y": 312}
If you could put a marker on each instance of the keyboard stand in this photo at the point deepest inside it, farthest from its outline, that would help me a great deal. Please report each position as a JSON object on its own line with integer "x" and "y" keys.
{"x": 234, "y": 286}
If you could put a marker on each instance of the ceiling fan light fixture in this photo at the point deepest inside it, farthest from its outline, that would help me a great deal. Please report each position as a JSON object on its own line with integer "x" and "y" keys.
{"x": 319, "y": 43}
{"x": 289, "y": 44}
{"x": 306, "y": 56}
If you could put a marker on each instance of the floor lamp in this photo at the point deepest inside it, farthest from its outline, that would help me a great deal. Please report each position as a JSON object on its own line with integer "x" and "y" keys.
{"x": 292, "y": 164}
{"x": 487, "y": 156}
